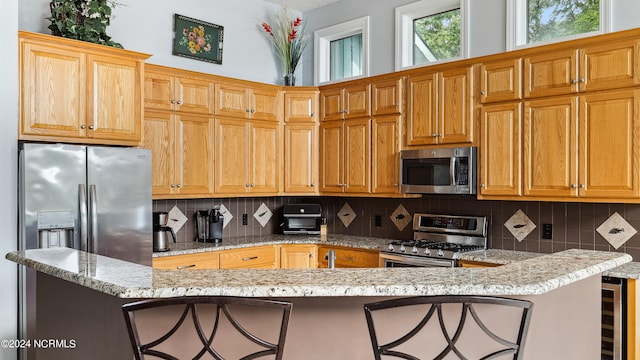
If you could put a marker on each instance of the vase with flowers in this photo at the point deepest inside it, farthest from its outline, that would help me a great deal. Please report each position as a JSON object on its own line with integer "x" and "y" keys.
{"x": 85, "y": 20}
{"x": 289, "y": 39}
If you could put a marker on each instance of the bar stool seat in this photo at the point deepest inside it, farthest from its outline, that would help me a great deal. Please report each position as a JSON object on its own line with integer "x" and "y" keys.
{"x": 422, "y": 309}
{"x": 204, "y": 316}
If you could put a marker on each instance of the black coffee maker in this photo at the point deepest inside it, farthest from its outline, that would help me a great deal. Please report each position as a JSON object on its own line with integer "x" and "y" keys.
{"x": 209, "y": 225}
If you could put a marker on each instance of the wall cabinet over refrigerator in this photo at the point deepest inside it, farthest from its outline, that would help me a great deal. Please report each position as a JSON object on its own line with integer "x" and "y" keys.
{"x": 74, "y": 91}
{"x": 175, "y": 90}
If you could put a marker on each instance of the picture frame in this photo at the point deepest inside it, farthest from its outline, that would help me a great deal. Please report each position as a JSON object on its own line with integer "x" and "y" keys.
{"x": 197, "y": 39}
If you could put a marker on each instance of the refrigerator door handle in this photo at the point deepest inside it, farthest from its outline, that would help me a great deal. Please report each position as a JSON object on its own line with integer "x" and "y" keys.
{"x": 82, "y": 211}
{"x": 93, "y": 220}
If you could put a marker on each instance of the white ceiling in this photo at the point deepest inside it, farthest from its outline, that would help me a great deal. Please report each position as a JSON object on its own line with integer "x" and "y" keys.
{"x": 302, "y": 5}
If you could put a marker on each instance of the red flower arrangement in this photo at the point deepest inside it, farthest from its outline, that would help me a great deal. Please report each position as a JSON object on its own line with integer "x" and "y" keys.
{"x": 288, "y": 38}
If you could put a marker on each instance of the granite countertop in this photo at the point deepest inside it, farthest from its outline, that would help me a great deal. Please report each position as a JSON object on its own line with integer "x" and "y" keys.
{"x": 533, "y": 276}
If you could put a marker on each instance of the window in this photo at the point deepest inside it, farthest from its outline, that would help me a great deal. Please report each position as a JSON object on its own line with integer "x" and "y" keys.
{"x": 545, "y": 21}
{"x": 428, "y": 33}
{"x": 341, "y": 51}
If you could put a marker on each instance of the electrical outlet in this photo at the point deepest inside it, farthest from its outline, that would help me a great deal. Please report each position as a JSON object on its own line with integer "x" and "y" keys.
{"x": 245, "y": 219}
{"x": 378, "y": 220}
{"x": 547, "y": 231}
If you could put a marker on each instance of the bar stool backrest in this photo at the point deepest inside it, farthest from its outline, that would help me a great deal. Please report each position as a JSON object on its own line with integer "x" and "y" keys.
{"x": 194, "y": 317}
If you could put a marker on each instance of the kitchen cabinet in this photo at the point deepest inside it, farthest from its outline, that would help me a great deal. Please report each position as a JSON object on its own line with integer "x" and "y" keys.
{"x": 298, "y": 256}
{"x": 182, "y": 157}
{"x": 500, "y": 146}
{"x": 176, "y": 90}
{"x": 73, "y": 91}
{"x": 248, "y": 101}
{"x": 301, "y": 105}
{"x": 387, "y": 96}
{"x": 598, "y": 65}
{"x": 259, "y": 257}
{"x": 301, "y": 158}
{"x": 345, "y": 156}
{"x": 199, "y": 261}
{"x": 249, "y": 159}
{"x": 501, "y": 80}
{"x": 385, "y": 149}
{"x": 476, "y": 264}
{"x": 583, "y": 146}
{"x": 349, "y": 257}
{"x": 350, "y": 102}
{"x": 440, "y": 107}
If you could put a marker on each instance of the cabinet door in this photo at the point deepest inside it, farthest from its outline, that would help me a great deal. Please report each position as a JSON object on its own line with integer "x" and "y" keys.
{"x": 265, "y": 104}
{"x": 387, "y": 97}
{"x": 608, "y": 153}
{"x": 455, "y": 119}
{"x": 422, "y": 110}
{"x": 265, "y": 157}
{"x": 201, "y": 261}
{"x": 300, "y": 106}
{"x": 332, "y": 105}
{"x": 158, "y": 135}
{"x": 610, "y": 65}
{"x": 300, "y": 158}
{"x": 349, "y": 258}
{"x": 386, "y": 154}
{"x": 232, "y": 100}
{"x": 114, "y": 106}
{"x": 357, "y": 101}
{"x": 550, "y": 73}
{"x": 549, "y": 146}
{"x": 331, "y": 157}
{"x": 159, "y": 92}
{"x": 193, "y": 95}
{"x": 53, "y": 91}
{"x": 232, "y": 176}
{"x": 258, "y": 257}
{"x": 501, "y": 81}
{"x": 194, "y": 161}
{"x": 500, "y": 148}
{"x": 298, "y": 256}
{"x": 357, "y": 155}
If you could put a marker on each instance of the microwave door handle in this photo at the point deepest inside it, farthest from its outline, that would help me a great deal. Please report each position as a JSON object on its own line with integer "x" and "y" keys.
{"x": 452, "y": 171}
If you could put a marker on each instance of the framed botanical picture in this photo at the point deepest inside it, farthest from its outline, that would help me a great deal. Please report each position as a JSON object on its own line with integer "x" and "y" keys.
{"x": 196, "y": 39}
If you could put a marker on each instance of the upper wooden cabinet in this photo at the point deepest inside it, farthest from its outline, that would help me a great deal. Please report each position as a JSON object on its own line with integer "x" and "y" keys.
{"x": 301, "y": 158}
{"x": 440, "y": 107}
{"x": 301, "y": 106}
{"x": 501, "y": 80}
{"x": 349, "y": 102}
{"x": 75, "y": 91}
{"x": 385, "y": 154}
{"x": 255, "y": 101}
{"x": 175, "y": 90}
{"x": 594, "y": 66}
{"x": 387, "y": 96}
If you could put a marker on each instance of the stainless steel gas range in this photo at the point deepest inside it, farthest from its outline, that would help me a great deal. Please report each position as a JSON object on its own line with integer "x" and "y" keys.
{"x": 438, "y": 241}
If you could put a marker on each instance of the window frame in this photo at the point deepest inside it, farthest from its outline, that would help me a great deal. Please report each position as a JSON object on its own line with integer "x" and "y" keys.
{"x": 517, "y": 25}
{"x": 322, "y": 42}
{"x": 404, "y": 17}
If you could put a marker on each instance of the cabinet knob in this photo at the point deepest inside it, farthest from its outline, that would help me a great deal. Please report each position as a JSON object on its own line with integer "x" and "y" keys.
{"x": 581, "y": 186}
{"x": 482, "y": 93}
{"x": 433, "y": 135}
{"x": 573, "y": 186}
{"x": 253, "y": 185}
{"x": 312, "y": 184}
{"x": 253, "y": 110}
{"x": 581, "y": 80}
{"x": 91, "y": 127}
{"x": 179, "y": 102}
{"x": 312, "y": 114}
{"x": 173, "y": 185}
{"x": 83, "y": 126}
{"x": 246, "y": 185}
{"x": 573, "y": 81}
{"x": 247, "y": 110}
{"x": 179, "y": 186}
{"x": 482, "y": 185}
{"x": 173, "y": 101}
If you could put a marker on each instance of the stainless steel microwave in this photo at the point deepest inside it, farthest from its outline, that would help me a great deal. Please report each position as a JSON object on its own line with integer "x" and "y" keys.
{"x": 439, "y": 171}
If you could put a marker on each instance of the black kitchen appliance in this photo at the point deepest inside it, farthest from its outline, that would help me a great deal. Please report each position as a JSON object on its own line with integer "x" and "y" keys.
{"x": 161, "y": 231}
{"x": 301, "y": 219}
{"x": 209, "y": 225}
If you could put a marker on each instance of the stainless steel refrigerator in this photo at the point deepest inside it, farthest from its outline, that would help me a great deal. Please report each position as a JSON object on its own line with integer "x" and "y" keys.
{"x": 91, "y": 198}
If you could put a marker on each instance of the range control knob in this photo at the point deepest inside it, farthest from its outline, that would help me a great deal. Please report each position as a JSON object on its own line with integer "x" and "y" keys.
{"x": 440, "y": 253}
{"x": 391, "y": 247}
{"x": 414, "y": 250}
{"x": 403, "y": 249}
{"x": 427, "y": 252}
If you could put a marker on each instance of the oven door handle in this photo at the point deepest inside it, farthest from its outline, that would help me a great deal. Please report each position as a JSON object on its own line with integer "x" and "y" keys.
{"x": 422, "y": 261}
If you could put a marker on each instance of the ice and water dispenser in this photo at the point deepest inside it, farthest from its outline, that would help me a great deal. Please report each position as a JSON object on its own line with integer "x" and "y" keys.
{"x": 55, "y": 228}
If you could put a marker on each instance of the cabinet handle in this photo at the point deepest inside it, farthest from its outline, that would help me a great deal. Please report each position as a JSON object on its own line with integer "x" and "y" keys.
{"x": 573, "y": 81}
{"x": 573, "y": 186}
{"x": 581, "y": 186}
{"x": 83, "y": 126}
{"x": 482, "y": 93}
{"x": 312, "y": 184}
{"x": 246, "y": 185}
{"x": 249, "y": 258}
{"x": 312, "y": 114}
{"x": 434, "y": 135}
{"x": 310, "y": 255}
{"x": 253, "y": 110}
{"x": 482, "y": 185}
{"x": 179, "y": 186}
{"x": 253, "y": 185}
{"x": 185, "y": 266}
{"x": 91, "y": 127}
{"x": 173, "y": 101}
{"x": 247, "y": 110}
{"x": 581, "y": 80}
{"x": 179, "y": 102}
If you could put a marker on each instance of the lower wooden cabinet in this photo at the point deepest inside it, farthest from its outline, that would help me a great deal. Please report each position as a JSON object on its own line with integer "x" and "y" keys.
{"x": 475, "y": 264}
{"x": 259, "y": 257}
{"x": 199, "y": 261}
{"x": 349, "y": 257}
{"x": 298, "y": 256}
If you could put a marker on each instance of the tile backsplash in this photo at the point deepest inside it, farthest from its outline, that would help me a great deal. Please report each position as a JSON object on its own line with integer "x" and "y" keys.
{"x": 574, "y": 224}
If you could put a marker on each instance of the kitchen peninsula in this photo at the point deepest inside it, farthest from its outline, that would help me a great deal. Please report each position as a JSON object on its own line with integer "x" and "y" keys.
{"x": 327, "y": 320}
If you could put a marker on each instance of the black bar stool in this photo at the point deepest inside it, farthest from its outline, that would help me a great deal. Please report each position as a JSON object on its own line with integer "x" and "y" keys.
{"x": 433, "y": 305}
{"x": 217, "y": 308}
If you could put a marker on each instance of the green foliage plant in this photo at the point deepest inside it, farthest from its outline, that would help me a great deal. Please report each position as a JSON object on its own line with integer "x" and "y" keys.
{"x": 85, "y": 20}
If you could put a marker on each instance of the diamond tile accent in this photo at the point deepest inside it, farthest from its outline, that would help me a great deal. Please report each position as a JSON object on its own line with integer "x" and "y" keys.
{"x": 346, "y": 215}
{"x": 227, "y": 215}
{"x": 400, "y": 217}
{"x": 616, "y": 230}
{"x": 519, "y": 225}
{"x": 263, "y": 214}
{"x": 176, "y": 219}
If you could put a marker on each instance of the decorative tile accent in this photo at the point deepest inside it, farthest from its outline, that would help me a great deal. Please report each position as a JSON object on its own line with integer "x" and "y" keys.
{"x": 520, "y": 225}
{"x": 346, "y": 215}
{"x": 400, "y": 217}
{"x": 263, "y": 214}
{"x": 176, "y": 219}
{"x": 616, "y": 230}
{"x": 227, "y": 215}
